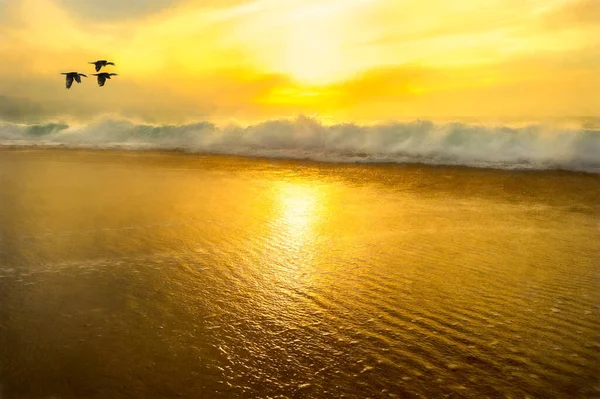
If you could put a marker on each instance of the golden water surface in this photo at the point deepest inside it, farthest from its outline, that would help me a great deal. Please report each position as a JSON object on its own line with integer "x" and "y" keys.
{"x": 156, "y": 275}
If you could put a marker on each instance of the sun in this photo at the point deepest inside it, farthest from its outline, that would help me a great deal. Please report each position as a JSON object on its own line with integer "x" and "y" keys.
{"x": 309, "y": 41}
{"x": 314, "y": 55}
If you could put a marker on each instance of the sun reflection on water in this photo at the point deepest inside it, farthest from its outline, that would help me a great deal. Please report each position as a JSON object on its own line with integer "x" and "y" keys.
{"x": 298, "y": 208}
{"x": 292, "y": 243}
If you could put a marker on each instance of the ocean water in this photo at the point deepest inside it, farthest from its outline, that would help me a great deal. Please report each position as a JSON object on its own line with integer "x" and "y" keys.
{"x": 154, "y": 274}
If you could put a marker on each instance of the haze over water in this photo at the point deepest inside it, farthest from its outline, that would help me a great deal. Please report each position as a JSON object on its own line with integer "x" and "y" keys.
{"x": 156, "y": 275}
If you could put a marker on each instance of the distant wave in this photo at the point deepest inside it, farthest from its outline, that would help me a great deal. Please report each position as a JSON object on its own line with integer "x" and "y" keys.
{"x": 535, "y": 146}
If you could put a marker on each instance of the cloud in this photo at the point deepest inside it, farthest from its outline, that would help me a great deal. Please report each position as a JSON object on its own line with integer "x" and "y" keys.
{"x": 220, "y": 94}
{"x": 185, "y": 60}
{"x": 17, "y": 109}
{"x": 115, "y": 9}
{"x": 544, "y": 84}
{"x": 468, "y": 32}
{"x": 118, "y": 10}
{"x": 578, "y": 13}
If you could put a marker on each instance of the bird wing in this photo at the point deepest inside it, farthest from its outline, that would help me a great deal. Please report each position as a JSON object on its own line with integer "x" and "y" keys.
{"x": 69, "y": 81}
{"x": 98, "y": 66}
{"x": 77, "y": 78}
{"x": 101, "y": 80}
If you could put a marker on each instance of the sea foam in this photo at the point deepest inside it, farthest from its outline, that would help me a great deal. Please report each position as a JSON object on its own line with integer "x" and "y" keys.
{"x": 531, "y": 146}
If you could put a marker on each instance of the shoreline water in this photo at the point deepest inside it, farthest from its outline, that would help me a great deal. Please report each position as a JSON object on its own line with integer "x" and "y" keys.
{"x": 153, "y": 274}
{"x": 119, "y": 149}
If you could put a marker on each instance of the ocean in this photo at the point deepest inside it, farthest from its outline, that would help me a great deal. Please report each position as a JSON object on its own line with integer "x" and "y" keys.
{"x": 392, "y": 261}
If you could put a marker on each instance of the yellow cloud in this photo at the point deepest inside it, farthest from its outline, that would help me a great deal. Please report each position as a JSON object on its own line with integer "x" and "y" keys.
{"x": 343, "y": 58}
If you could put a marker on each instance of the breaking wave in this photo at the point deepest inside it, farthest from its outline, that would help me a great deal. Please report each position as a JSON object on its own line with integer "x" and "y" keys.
{"x": 534, "y": 146}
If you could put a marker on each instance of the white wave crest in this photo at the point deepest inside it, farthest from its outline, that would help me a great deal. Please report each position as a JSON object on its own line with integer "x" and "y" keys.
{"x": 535, "y": 146}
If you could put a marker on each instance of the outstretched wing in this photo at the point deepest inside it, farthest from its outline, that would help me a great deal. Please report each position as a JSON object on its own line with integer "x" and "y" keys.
{"x": 98, "y": 66}
{"x": 101, "y": 81}
{"x": 77, "y": 78}
{"x": 69, "y": 81}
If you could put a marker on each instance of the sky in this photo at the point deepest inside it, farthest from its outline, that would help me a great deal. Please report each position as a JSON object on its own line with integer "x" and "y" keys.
{"x": 345, "y": 60}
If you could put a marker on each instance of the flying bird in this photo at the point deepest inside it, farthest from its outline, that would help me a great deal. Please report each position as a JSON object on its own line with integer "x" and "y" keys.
{"x": 103, "y": 76}
{"x": 101, "y": 63}
{"x": 73, "y": 75}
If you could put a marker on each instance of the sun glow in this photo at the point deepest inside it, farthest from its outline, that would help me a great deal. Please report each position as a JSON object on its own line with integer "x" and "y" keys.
{"x": 312, "y": 41}
{"x": 299, "y": 209}
{"x": 313, "y": 55}
{"x": 353, "y": 60}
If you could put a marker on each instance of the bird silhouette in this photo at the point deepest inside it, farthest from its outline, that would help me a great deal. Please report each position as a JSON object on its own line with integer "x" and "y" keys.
{"x": 103, "y": 76}
{"x": 101, "y": 63}
{"x": 73, "y": 76}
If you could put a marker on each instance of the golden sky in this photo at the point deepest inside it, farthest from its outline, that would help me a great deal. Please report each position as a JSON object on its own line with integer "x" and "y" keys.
{"x": 183, "y": 60}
